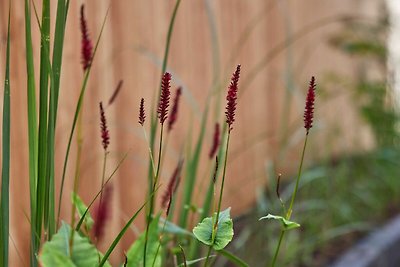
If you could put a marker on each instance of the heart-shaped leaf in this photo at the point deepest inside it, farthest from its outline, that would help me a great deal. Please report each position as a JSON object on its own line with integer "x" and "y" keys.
{"x": 56, "y": 252}
{"x": 224, "y": 234}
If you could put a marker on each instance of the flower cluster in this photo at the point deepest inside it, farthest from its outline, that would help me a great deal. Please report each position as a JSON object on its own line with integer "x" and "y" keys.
{"x": 142, "y": 114}
{"x": 216, "y": 141}
{"x": 232, "y": 98}
{"x": 105, "y": 135}
{"x": 174, "y": 111}
{"x": 164, "y": 97}
{"x": 172, "y": 186}
{"x": 87, "y": 46}
{"x": 309, "y": 109}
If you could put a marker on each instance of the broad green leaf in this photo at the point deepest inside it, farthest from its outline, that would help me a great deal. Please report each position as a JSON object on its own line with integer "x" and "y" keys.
{"x": 204, "y": 230}
{"x": 286, "y": 224}
{"x": 135, "y": 252}
{"x": 57, "y": 251}
{"x": 81, "y": 209}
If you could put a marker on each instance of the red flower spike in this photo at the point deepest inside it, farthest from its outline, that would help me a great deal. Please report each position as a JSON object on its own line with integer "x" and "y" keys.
{"x": 232, "y": 98}
{"x": 87, "y": 46}
{"x": 105, "y": 135}
{"x": 102, "y": 213}
{"x": 172, "y": 187}
{"x": 164, "y": 97}
{"x": 142, "y": 114}
{"x": 309, "y": 109}
{"x": 216, "y": 141}
{"x": 174, "y": 112}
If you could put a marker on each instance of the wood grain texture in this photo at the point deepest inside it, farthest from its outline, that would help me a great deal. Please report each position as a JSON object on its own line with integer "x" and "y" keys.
{"x": 210, "y": 38}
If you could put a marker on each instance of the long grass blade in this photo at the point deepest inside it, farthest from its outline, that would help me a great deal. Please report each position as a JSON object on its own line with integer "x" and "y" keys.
{"x": 76, "y": 115}
{"x": 43, "y": 110}
{"x": 81, "y": 220}
{"x": 54, "y": 92}
{"x": 124, "y": 229}
{"x": 153, "y": 121}
{"x": 232, "y": 258}
{"x": 32, "y": 129}
{"x": 191, "y": 172}
{"x": 5, "y": 173}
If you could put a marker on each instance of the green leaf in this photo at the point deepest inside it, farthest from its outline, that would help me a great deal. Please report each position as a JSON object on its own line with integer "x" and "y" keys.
{"x": 57, "y": 251}
{"x": 188, "y": 263}
{"x": 81, "y": 209}
{"x": 5, "y": 172}
{"x": 286, "y": 224}
{"x": 204, "y": 230}
{"x": 135, "y": 252}
{"x": 172, "y": 228}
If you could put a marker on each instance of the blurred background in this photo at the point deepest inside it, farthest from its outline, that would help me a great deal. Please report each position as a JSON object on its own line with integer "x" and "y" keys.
{"x": 351, "y": 180}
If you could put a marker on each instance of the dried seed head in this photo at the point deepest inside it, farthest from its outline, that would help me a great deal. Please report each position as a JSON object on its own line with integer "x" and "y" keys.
{"x": 105, "y": 135}
{"x": 116, "y": 92}
{"x": 86, "y": 44}
{"x": 102, "y": 213}
{"x": 215, "y": 171}
{"x": 164, "y": 97}
{"x": 309, "y": 109}
{"x": 216, "y": 141}
{"x": 174, "y": 112}
{"x": 232, "y": 98}
{"x": 172, "y": 187}
{"x": 142, "y": 114}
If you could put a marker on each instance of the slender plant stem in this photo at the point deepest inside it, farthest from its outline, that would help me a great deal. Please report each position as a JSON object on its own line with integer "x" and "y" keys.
{"x": 277, "y": 248}
{"x": 159, "y": 244}
{"x": 76, "y": 178}
{"x": 215, "y": 228}
{"x": 289, "y": 211}
{"x": 208, "y": 256}
{"x": 223, "y": 177}
{"x": 150, "y": 152}
{"x": 153, "y": 196}
{"x": 103, "y": 175}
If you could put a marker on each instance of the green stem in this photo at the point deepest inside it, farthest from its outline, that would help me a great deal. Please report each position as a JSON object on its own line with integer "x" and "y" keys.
{"x": 289, "y": 212}
{"x": 223, "y": 177}
{"x": 150, "y": 152}
{"x": 215, "y": 228}
{"x": 76, "y": 178}
{"x": 277, "y": 249}
{"x": 159, "y": 244}
{"x": 103, "y": 175}
{"x": 208, "y": 256}
{"x": 153, "y": 196}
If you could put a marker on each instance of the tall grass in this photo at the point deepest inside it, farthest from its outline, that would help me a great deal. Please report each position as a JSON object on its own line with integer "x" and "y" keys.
{"x": 5, "y": 172}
